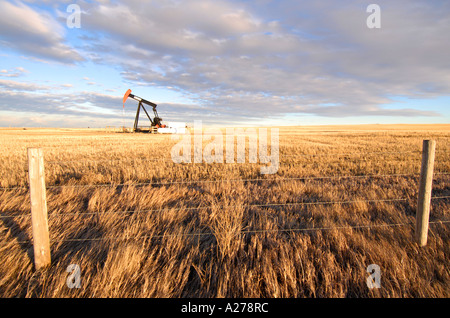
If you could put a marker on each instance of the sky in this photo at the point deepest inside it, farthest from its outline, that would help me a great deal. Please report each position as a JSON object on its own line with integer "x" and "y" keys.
{"x": 225, "y": 62}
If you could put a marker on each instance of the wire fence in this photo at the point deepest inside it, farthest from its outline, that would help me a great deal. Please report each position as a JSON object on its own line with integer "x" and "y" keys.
{"x": 285, "y": 179}
{"x": 244, "y": 205}
{"x": 282, "y": 155}
{"x": 144, "y": 158}
{"x": 141, "y": 158}
{"x": 243, "y": 232}
{"x": 240, "y": 232}
{"x": 260, "y": 161}
{"x": 287, "y": 204}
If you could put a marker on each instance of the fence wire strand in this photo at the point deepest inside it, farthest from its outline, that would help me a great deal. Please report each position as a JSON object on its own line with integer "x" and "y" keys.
{"x": 231, "y": 180}
{"x": 51, "y": 215}
{"x": 156, "y": 183}
{"x": 444, "y": 173}
{"x": 162, "y": 159}
{"x": 304, "y": 229}
{"x": 281, "y": 156}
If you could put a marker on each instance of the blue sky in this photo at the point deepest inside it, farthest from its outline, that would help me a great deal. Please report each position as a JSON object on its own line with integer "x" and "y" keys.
{"x": 225, "y": 62}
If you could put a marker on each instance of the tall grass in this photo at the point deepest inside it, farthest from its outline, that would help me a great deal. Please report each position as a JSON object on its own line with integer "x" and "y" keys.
{"x": 153, "y": 240}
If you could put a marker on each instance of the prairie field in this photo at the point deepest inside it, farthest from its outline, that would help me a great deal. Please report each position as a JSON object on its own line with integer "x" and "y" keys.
{"x": 139, "y": 225}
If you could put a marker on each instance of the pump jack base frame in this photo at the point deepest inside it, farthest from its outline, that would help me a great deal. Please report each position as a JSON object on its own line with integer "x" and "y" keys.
{"x": 151, "y": 129}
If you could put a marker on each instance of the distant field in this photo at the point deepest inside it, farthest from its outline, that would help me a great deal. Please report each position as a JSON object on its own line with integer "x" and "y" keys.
{"x": 139, "y": 225}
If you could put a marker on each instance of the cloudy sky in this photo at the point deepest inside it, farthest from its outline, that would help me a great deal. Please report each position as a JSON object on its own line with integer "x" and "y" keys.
{"x": 225, "y": 62}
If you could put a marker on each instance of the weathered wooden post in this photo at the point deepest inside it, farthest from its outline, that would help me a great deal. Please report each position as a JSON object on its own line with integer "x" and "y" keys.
{"x": 425, "y": 188}
{"x": 39, "y": 219}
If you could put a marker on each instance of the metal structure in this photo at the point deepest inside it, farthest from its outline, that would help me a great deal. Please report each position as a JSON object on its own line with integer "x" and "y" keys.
{"x": 156, "y": 122}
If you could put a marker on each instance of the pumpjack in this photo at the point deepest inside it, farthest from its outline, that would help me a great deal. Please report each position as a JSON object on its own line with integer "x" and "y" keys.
{"x": 156, "y": 122}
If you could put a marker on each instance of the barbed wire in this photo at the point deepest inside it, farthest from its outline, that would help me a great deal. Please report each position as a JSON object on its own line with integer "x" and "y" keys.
{"x": 159, "y": 183}
{"x": 439, "y": 151}
{"x": 238, "y": 205}
{"x": 247, "y": 206}
{"x": 209, "y": 181}
{"x": 281, "y": 156}
{"x": 50, "y": 215}
{"x": 240, "y": 232}
{"x": 243, "y": 205}
{"x": 156, "y": 183}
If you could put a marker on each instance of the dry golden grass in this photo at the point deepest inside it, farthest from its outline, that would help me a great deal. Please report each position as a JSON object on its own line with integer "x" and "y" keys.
{"x": 149, "y": 240}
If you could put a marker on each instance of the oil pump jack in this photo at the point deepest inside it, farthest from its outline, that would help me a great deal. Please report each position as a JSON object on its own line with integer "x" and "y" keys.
{"x": 156, "y": 122}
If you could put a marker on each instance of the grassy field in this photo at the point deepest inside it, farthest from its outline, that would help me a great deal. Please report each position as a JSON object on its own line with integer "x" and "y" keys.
{"x": 129, "y": 217}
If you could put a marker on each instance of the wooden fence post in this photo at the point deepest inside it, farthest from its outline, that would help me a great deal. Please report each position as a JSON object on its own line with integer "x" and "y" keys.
{"x": 39, "y": 220}
{"x": 425, "y": 187}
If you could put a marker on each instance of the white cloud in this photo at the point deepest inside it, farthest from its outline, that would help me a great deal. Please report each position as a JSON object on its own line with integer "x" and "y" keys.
{"x": 49, "y": 99}
{"x": 35, "y": 33}
{"x": 242, "y": 60}
{"x": 20, "y": 86}
{"x": 234, "y": 49}
{"x": 14, "y": 72}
